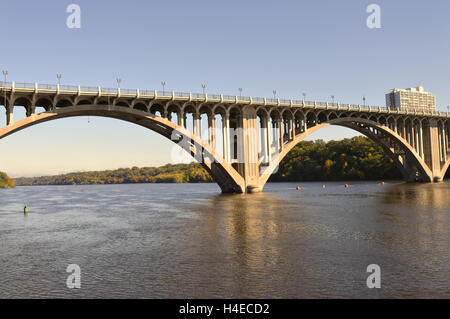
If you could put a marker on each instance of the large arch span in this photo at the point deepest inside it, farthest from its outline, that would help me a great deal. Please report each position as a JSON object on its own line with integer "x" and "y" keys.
{"x": 409, "y": 162}
{"x": 222, "y": 173}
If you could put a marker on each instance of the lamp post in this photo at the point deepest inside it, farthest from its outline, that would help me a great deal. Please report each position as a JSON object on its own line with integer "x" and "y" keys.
{"x": 203, "y": 88}
{"x": 163, "y": 83}
{"x": 274, "y": 94}
{"x": 304, "y": 96}
{"x": 240, "y": 93}
{"x": 59, "y": 76}
{"x": 5, "y": 73}
{"x": 119, "y": 80}
{"x": 332, "y": 99}
{"x": 364, "y": 101}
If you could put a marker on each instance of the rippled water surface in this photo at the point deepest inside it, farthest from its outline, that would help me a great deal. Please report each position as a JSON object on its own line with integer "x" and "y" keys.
{"x": 188, "y": 241}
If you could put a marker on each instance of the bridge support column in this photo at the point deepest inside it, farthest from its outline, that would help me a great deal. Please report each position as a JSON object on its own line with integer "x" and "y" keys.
{"x": 281, "y": 134}
{"x": 248, "y": 145}
{"x": 9, "y": 115}
{"x": 444, "y": 144}
{"x": 294, "y": 127}
{"x": 433, "y": 151}
{"x": 421, "y": 139}
{"x": 212, "y": 131}
{"x": 262, "y": 135}
{"x": 182, "y": 119}
{"x": 226, "y": 137}
{"x": 269, "y": 139}
{"x": 197, "y": 127}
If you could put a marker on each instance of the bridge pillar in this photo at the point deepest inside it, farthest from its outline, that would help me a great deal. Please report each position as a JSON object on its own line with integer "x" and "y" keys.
{"x": 197, "y": 128}
{"x": 264, "y": 149}
{"x": 9, "y": 115}
{"x": 268, "y": 139}
{"x": 181, "y": 119}
{"x": 226, "y": 137}
{"x": 249, "y": 147}
{"x": 432, "y": 152}
{"x": 444, "y": 144}
{"x": 212, "y": 131}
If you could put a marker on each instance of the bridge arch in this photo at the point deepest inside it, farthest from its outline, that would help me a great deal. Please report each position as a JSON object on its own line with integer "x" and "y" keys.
{"x": 411, "y": 165}
{"x": 222, "y": 172}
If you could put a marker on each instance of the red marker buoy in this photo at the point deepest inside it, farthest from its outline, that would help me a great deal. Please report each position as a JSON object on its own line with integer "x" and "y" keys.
{"x": 382, "y": 183}
{"x": 298, "y": 188}
{"x": 346, "y": 186}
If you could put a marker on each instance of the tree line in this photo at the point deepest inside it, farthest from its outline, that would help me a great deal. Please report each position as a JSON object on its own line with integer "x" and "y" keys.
{"x": 356, "y": 158}
{"x": 6, "y": 181}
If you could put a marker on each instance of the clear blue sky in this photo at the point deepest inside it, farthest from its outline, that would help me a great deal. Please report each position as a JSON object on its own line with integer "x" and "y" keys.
{"x": 319, "y": 47}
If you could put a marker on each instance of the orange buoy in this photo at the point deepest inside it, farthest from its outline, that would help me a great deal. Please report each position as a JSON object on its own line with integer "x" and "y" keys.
{"x": 346, "y": 186}
{"x": 382, "y": 183}
{"x": 298, "y": 188}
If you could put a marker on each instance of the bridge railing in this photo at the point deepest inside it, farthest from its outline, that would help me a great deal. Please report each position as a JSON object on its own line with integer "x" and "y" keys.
{"x": 109, "y": 90}
{"x": 151, "y": 93}
{"x": 68, "y": 88}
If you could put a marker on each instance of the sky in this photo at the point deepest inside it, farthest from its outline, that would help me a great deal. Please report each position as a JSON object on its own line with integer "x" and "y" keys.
{"x": 319, "y": 47}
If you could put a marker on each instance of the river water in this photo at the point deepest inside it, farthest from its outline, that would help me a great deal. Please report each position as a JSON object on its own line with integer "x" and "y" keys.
{"x": 188, "y": 241}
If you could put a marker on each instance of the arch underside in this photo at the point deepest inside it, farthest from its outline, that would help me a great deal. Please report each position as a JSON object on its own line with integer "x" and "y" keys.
{"x": 410, "y": 164}
{"x": 222, "y": 173}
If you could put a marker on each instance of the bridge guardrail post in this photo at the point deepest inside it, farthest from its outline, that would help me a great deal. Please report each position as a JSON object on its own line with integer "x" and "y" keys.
{"x": 138, "y": 93}
{"x": 13, "y": 86}
{"x": 36, "y": 87}
{"x": 99, "y": 91}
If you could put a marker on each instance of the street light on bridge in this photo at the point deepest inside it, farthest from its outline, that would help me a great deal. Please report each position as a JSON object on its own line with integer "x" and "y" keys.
{"x": 364, "y": 101}
{"x": 59, "y": 76}
{"x": 274, "y": 94}
{"x": 240, "y": 93}
{"x": 304, "y": 96}
{"x": 5, "y": 73}
{"x": 203, "y": 88}
{"x": 119, "y": 80}
{"x": 332, "y": 99}
{"x": 163, "y": 83}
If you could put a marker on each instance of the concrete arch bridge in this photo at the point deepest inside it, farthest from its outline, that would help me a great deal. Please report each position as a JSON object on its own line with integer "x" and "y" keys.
{"x": 254, "y": 134}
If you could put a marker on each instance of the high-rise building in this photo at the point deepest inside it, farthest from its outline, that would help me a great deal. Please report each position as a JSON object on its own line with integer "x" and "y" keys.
{"x": 412, "y": 99}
